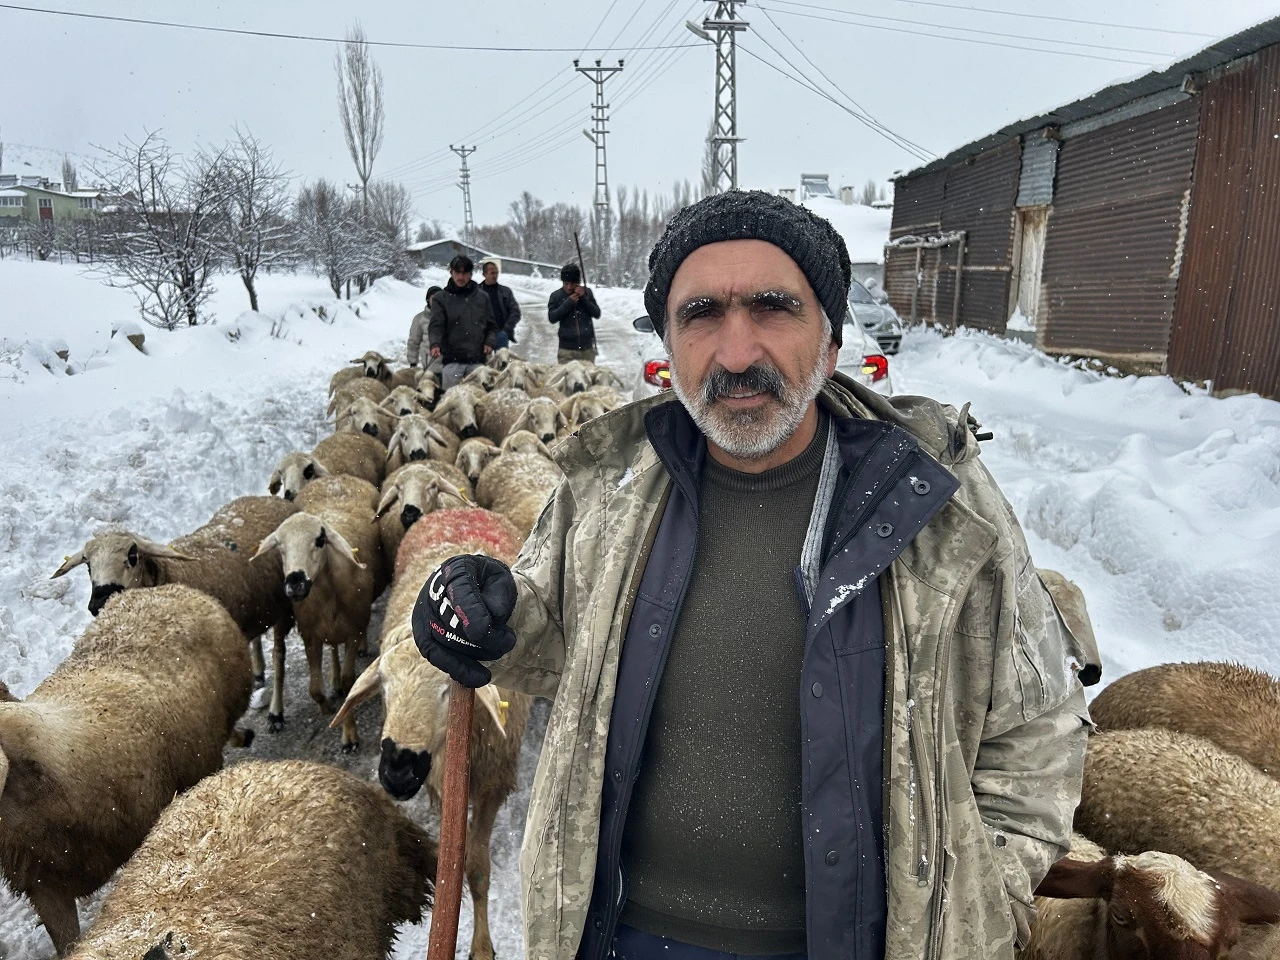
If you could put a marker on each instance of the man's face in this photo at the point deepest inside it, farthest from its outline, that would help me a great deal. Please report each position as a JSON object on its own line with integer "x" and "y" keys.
{"x": 490, "y": 273}
{"x": 460, "y": 277}
{"x": 568, "y": 286}
{"x": 750, "y": 347}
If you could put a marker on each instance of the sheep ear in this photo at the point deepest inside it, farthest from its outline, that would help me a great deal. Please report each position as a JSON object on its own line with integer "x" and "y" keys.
{"x": 333, "y": 405}
{"x": 269, "y": 543}
{"x": 543, "y": 449}
{"x": 1250, "y": 902}
{"x": 339, "y": 543}
{"x": 4, "y": 771}
{"x": 367, "y": 686}
{"x": 273, "y": 485}
{"x": 394, "y": 443}
{"x": 68, "y": 563}
{"x": 1078, "y": 879}
{"x": 561, "y": 422}
{"x": 489, "y": 698}
{"x": 159, "y": 551}
{"x": 526, "y": 419}
{"x": 320, "y": 468}
{"x": 390, "y": 497}
{"x": 437, "y": 436}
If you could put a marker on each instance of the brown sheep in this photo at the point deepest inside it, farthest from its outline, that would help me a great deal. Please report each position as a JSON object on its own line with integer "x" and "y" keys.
{"x": 137, "y": 713}
{"x": 213, "y": 558}
{"x": 220, "y": 878}
{"x": 349, "y": 454}
{"x": 373, "y": 390}
{"x": 416, "y": 698}
{"x": 331, "y": 556}
{"x": 518, "y": 486}
{"x": 365, "y": 416}
{"x": 372, "y": 365}
{"x": 417, "y": 489}
{"x": 1094, "y": 907}
{"x": 1233, "y": 706}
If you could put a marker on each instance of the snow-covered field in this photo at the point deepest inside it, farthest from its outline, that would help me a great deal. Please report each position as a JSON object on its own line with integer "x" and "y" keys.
{"x": 1164, "y": 506}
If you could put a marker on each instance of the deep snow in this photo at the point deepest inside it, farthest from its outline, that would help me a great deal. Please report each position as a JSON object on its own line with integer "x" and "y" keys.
{"x": 1162, "y": 505}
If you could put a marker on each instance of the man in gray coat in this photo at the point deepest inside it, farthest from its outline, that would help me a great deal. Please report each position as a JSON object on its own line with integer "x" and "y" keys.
{"x": 462, "y": 331}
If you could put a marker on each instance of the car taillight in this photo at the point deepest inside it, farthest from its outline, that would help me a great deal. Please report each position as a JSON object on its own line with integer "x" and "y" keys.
{"x": 875, "y": 366}
{"x": 657, "y": 373}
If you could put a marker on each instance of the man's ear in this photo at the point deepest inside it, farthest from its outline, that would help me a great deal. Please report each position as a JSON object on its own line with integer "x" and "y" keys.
{"x": 833, "y": 354}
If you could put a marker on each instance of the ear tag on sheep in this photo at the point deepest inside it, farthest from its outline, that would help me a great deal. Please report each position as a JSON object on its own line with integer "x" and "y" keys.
{"x": 503, "y": 706}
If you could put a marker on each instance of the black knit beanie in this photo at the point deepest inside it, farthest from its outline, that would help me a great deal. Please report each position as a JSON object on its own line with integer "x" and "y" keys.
{"x": 807, "y": 238}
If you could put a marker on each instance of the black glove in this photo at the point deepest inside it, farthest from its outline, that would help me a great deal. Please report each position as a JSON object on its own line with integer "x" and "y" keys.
{"x": 460, "y": 617}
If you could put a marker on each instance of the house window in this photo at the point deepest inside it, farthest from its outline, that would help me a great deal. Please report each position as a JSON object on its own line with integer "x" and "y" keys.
{"x": 11, "y": 201}
{"x": 86, "y": 203}
{"x": 44, "y": 204}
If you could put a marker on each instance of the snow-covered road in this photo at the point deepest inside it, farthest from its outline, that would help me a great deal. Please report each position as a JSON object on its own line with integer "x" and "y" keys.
{"x": 1164, "y": 506}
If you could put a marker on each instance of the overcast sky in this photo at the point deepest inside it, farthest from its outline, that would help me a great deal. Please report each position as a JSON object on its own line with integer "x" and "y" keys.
{"x": 76, "y": 83}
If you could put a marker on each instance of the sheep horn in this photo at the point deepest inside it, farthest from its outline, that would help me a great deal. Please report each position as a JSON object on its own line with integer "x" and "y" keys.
{"x": 68, "y": 563}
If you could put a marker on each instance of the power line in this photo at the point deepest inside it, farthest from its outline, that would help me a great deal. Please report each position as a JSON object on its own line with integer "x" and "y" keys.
{"x": 598, "y": 26}
{"x": 205, "y": 28}
{"x": 912, "y": 146}
{"x": 988, "y": 33}
{"x": 1015, "y": 13}
{"x": 985, "y": 43}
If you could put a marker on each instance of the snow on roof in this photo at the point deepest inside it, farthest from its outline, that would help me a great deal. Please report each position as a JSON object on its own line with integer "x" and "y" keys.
{"x": 865, "y": 230}
{"x": 13, "y": 193}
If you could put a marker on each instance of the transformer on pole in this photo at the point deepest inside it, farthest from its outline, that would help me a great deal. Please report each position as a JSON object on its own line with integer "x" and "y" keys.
{"x": 725, "y": 26}
{"x": 464, "y": 183}
{"x": 599, "y": 116}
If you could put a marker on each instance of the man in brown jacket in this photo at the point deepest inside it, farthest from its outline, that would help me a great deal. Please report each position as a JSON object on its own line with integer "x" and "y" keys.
{"x": 812, "y": 698}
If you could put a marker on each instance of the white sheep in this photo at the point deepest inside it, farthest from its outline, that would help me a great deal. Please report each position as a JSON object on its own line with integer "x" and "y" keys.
{"x": 330, "y": 553}
{"x": 221, "y": 876}
{"x": 403, "y": 401}
{"x": 417, "y": 438}
{"x": 417, "y": 489}
{"x": 372, "y": 365}
{"x": 482, "y": 377}
{"x": 138, "y": 712}
{"x": 474, "y": 455}
{"x": 349, "y": 393}
{"x": 1092, "y": 906}
{"x": 582, "y": 407}
{"x": 569, "y": 378}
{"x": 517, "y": 374}
{"x": 497, "y": 413}
{"x": 456, "y": 410}
{"x": 518, "y": 485}
{"x": 365, "y": 416}
{"x": 351, "y": 454}
{"x": 522, "y": 441}
{"x": 1234, "y": 706}
{"x": 214, "y": 559}
{"x": 603, "y": 377}
{"x": 501, "y": 357}
{"x": 416, "y": 700}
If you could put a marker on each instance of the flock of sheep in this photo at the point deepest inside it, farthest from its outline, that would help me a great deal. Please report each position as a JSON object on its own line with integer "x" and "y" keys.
{"x": 115, "y": 759}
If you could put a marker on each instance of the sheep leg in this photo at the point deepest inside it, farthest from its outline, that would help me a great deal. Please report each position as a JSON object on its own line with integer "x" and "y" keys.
{"x": 483, "y": 814}
{"x": 315, "y": 654}
{"x": 275, "y": 714}
{"x": 335, "y": 670}
{"x": 58, "y": 914}
{"x": 259, "y": 663}
{"x": 350, "y": 736}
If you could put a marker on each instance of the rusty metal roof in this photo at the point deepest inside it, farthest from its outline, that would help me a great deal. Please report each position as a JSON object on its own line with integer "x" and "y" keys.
{"x": 1242, "y": 44}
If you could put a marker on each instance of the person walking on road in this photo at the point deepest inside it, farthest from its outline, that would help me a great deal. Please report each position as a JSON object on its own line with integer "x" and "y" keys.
{"x": 462, "y": 331}
{"x": 810, "y": 697}
{"x": 505, "y": 308}
{"x": 418, "y": 331}
{"x": 574, "y": 308}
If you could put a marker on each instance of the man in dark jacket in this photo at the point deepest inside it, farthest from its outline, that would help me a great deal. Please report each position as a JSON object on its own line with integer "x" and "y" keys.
{"x": 574, "y": 308}
{"x": 505, "y": 308}
{"x": 463, "y": 331}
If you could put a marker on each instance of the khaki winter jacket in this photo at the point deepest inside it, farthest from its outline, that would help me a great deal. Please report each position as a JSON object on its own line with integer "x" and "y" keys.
{"x": 985, "y": 720}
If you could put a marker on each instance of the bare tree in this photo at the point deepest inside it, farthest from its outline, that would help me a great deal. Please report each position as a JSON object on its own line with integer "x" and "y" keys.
{"x": 163, "y": 248}
{"x": 70, "y": 179}
{"x": 360, "y": 105}
{"x": 327, "y": 228}
{"x": 527, "y": 220}
{"x": 254, "y": 230}
{"x": 428, "y": 230}
{"x": 390, "y": 205}
{"x": 869, "y": 193}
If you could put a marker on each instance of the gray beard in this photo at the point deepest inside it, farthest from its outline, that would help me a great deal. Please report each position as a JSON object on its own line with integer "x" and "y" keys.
{"x": 754, "y": 434}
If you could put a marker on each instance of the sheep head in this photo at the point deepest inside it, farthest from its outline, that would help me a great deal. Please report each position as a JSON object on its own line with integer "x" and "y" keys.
{"x": 296, "y": 470}
{"x": 365, "y": 416}
{"x": 583, "y": 407}
{"x": 413, "y": 437}
{"x": 306, "y": 545}
{"x": 483, "y": 377}
{"x": 117, "y": 561}
{"x": 542, "y": 418}
{"x": 517, "y": 374}
{"x": 403, "y": 401}
{"x": 457, "y": 412}
{"x": 1157, "y": 905}
{"x": 415, "y": 697}
{"x": 604, "y": 377}
{"x": 522, "y": 441}
{"x": 374, "y": 363}
{"x": 570, "y": 377}
{"x": 500, "y": 358}
{"x": 419, "y": 490}
{"x": 474, "y": 455}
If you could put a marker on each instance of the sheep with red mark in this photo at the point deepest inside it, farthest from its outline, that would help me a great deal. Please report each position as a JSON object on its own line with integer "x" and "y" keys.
{"x": 138, "y": 712}
{"x": 348, "y": 454}
{"x": 1231, "y": 705}
{"x": 416, "y": 699}
{"x": 219, "y": 876}
{"x": 331, "y": 557}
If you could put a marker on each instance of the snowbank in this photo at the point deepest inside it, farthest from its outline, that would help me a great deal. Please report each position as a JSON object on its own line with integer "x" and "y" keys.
{"x": 865, "y": 229}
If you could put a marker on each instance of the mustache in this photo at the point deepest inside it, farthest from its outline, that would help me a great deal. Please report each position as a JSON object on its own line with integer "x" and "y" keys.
{"x": 759, "y": 377}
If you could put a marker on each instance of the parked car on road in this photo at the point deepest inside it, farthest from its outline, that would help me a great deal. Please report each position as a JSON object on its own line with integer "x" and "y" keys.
{"x": 876, "y": 317}
{"x": 860, "y": 357}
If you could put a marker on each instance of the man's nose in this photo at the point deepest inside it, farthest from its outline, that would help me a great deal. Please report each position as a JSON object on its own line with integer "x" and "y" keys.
{"x": 738, "y": 341}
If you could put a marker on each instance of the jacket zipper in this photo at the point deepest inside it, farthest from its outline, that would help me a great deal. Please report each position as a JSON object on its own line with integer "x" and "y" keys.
{"x": 936, "y": 896}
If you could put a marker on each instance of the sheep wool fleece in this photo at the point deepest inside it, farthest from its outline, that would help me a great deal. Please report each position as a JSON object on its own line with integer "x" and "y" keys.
{"x": 985, "y": 721}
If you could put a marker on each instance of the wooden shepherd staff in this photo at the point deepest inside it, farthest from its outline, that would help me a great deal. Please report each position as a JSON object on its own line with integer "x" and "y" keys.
{"x": 451, "y": 863}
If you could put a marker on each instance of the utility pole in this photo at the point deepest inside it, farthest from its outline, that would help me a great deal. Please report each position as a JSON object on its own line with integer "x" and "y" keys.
{"x": 599, "y": 117}
{"x": 464, "y": 184}
{"x": 726, "y": 26}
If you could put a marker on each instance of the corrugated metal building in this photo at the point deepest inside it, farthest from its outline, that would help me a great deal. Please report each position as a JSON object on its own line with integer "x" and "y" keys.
{"x": 1140, "y": 225}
